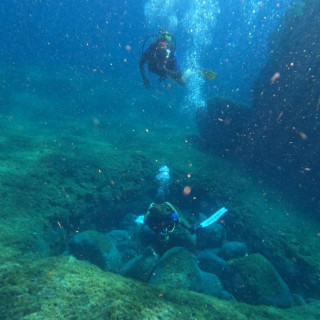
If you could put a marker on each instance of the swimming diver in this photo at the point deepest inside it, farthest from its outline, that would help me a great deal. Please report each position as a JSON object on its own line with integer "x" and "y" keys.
{"x": 161, "y": 58}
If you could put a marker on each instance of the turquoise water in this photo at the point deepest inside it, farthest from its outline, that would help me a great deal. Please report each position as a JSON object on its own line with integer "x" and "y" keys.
{"x": 82, "y": 142}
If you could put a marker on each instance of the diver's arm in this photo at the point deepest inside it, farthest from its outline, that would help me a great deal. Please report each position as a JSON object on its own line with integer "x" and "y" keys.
{"x": 185, "y": 224}
{"x": 145, "y": 80}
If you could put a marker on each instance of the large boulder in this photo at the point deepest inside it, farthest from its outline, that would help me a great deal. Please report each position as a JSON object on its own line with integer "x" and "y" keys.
{"x": 211, "y": 236}
{"x": 140, "y": 267}
{"x": 178, "y": 269}
{"x": 232, "y": 250}
{"x": 115, "y": 252}
{"x": 98, "y": 249}
{"x": 254, "y": 280}
{"x": 208, "y": 261}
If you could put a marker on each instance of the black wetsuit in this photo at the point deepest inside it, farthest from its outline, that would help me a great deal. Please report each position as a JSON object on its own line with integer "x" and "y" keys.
{"x": 161, "y": 60}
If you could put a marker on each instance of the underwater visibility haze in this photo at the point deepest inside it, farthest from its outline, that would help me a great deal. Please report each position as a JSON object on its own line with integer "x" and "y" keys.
{"x": 160, "y": 159}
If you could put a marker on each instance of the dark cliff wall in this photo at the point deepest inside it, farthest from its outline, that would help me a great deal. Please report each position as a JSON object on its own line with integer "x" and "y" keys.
{"x": 286, "y": 99}
{"x": 282, "y": 133}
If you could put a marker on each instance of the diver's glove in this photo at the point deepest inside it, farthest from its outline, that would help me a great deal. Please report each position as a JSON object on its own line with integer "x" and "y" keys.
{"x": 146, "y": 83}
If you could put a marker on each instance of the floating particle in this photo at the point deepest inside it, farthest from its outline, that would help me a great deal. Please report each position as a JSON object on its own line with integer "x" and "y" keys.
{"x": 186, "y": 190}
{"x": 96, "y": 121}
{"x": 275, "y": 77}
{"x": 280, "y": 115}
{"x": 128, "y": 48}
{"x": 302, "y": 135}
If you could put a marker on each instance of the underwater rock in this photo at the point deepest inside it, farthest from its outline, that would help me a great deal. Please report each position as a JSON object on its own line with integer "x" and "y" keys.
{"x": 254, "y": 280}
{"x": 98, "y": 249}
{"x": 177, "y": 269}
{"x": 208, "y": 261}
{"x": 141, "y": 266}
{"x": 118, "y": 234}
{"x": 227, "y": 296}
{"x": 66, "y": 288}
{"x": 232, "y": 250}
{"x": 299, "y": 300}
{"x": 289, "y": 269}
{"x": 210, "y": 237}
{"x": 211, "y": 285}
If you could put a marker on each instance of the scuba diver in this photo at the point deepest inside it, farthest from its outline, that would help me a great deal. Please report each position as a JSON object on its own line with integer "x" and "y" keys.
{"x": 164, "y": 227}
{"x": 169, "y": 227}
{"x": 161, "y": 59}
{"x": 163, "y": 218}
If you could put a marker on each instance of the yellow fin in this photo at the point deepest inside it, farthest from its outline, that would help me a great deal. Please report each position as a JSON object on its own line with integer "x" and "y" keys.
{"x": 207, "y": 74}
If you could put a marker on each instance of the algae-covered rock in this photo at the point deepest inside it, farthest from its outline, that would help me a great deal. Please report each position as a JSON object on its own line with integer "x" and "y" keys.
{"x": 97, "y": 248}
{"x": 254, "y": 280}
{"x": 141, "y": 266}
{"x": 232, "y": 250}
{"x": 211, "y": 284}
{"x": 210, "y": 237}
{"x": 208, "y": 261}
{"x": 66, "y": 288}
{"x": 177, "y": 269}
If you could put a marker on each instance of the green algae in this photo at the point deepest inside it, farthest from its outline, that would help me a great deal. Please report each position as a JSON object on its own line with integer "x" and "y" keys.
{"x": 64, "y": 288}
{"x": 258, "y": 272}
{"x": 177, "y": 269}
{"x": 262, "y": 283}
{"x": 98, "y": 239}
{"x": 63, "y": 170}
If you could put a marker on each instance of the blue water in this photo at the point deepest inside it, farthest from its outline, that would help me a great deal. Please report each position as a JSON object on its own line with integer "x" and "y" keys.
{"x": 228, "y": 37}
{"x": 82, "y": 141}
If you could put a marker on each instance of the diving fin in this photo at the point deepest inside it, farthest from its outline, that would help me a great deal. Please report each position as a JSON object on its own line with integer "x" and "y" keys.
{"x": 207, "y": 74}
{"x": 213, "y": 218}
{"x": 206, "y": 223}
{"x": 139, "y": 220}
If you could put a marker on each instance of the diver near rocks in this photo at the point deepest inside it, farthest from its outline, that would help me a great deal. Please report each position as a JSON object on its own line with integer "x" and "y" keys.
{"x": 161, "y": 58}
{"x": 170, "y": 228}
